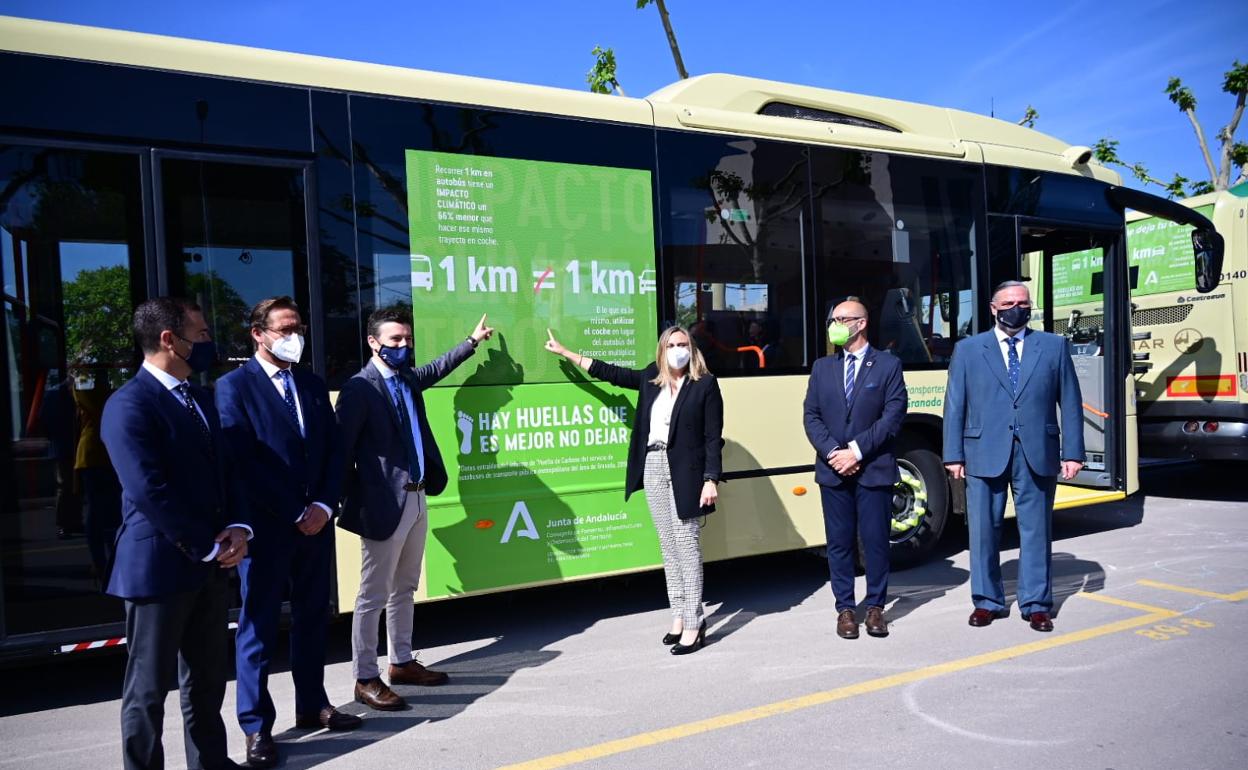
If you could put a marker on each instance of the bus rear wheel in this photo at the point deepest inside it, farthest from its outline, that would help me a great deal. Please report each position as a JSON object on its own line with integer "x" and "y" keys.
{"x": 920, "y": 505}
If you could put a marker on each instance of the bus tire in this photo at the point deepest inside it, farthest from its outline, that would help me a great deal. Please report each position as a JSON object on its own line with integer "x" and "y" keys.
{"x": 920, "y": 506}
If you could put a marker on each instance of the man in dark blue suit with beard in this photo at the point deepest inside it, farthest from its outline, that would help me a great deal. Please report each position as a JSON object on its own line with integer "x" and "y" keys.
{"x": 284, "y": 437}
{"x": 184, "y": 524}
{"x": 855, "y": 403}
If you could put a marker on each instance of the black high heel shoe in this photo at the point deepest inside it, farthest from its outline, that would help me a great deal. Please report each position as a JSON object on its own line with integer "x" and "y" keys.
{"x": 698, "y": 643}
{"x": 670, "y": 639}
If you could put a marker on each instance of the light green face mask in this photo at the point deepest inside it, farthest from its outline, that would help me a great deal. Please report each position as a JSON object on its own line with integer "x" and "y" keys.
{"x": 838, "y": 333}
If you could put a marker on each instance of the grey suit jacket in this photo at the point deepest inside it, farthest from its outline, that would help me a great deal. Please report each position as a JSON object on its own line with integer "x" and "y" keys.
{"x": 376, "y": 455}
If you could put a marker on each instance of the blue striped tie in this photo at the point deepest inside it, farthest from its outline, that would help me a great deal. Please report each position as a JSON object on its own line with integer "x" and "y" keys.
{"x": 849, "y": 379}
{"x": 288, "y": 396}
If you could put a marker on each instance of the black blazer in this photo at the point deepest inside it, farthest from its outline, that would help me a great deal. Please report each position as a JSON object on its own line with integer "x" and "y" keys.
{"x": 284, "y": 472}
{"x": 873, "y": 419}
{"x": 695, "y": 442}
{"x": 176, "y": 494}
{"x": 376, "y": 456}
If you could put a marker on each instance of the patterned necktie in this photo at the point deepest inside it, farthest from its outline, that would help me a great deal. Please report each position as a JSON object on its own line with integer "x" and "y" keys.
{"x": 189, "y": 402}
{"x": 398, "y": 389}
{"x": 1015, "y": 367}
{"x": 288, "y": 395}
{"x": 849, "y": 378}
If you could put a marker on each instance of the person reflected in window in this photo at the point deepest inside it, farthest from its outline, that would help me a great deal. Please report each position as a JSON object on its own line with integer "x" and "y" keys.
{"x": 95, "y": 471}
{"x": 675, "y": 456}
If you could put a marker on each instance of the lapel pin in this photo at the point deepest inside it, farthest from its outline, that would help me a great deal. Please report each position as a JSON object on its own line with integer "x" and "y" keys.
{"x": 869, "y": 363}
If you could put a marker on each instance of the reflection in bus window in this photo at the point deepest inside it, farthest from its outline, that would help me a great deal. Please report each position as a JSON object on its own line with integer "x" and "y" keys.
{"x": 900, "y": 234}
{"x": 72, "y": 269}
{"x": 733, "y": 216}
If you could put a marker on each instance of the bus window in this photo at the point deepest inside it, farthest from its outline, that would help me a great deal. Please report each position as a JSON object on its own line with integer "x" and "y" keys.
{"x": 234, "y": 234}
{"x": 900, "y": 235}
{"x": 73, "y": 269}
{"x": 733, "y": 213}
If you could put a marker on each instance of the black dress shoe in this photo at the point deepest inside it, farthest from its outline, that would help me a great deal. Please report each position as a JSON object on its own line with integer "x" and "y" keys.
{"x": 982, "y": 617}
{"x": 698, "y": 643}
{"x": 328, "y": 718}
{"x": 261, "y": 750}
{"x": 670, "y": 639}
{"x": 1039, "y": 621}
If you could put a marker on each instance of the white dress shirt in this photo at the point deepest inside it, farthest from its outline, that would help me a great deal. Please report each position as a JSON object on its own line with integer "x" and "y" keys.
{"x": 661, "y": 413}
{"x": 171, "y": 384}
{"x": 1005, "y": 346}
{"x": 274, "y": 374}
{"x": 387, "y": 373}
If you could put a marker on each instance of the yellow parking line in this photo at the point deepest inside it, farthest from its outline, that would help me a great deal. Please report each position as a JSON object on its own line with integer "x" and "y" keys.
{"x": 1236, "y": 597}
{"x": 1159, "y": 611}
{"x": 778, "y": 708}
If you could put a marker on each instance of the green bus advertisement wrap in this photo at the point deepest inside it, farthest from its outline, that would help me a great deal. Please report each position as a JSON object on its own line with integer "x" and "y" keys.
{"x": 535, "y": 450}
{"x": 1160, "y": 255}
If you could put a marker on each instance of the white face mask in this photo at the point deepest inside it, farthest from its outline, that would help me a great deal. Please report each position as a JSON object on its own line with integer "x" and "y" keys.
{"x": 677, "y": 358}
{"x": 288, "y": 348}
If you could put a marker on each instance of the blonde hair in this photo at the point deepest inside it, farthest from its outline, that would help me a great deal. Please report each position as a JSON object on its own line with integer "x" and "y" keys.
{"x": 697, "y": 364}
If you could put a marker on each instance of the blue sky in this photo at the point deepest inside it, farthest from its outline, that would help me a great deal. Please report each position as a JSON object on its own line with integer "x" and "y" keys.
{"x": 1091, "y": 69}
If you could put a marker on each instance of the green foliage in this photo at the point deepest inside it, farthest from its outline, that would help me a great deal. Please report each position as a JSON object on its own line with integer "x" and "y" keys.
{"x": 98, "y": 316}
{"x": 1181, "y": 95}
{"x": 643, "y": 3}
{"x": 601, "y": 77}
{"x": 1239, "y": 154}
{"x": 1106, "y": 152}
{"x": 1235, "y": 81}
{"x": 1030, "y": 115}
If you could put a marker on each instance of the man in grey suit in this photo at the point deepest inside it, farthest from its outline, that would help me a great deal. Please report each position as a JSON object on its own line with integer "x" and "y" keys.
{"x": 396, "y": 463}
{"x": 1001, "y": 435}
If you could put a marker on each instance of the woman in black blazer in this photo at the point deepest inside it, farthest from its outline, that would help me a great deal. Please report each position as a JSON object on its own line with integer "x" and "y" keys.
{"x": 675, "y": 457}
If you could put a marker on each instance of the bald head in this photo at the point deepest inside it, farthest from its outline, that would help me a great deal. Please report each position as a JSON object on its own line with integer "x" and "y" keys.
{"x": 850, "y": 308}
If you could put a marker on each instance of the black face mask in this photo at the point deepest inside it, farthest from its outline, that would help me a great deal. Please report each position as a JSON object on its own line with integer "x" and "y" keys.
{"x": 1014, "y": 318}
{"x": 202, "y": 357}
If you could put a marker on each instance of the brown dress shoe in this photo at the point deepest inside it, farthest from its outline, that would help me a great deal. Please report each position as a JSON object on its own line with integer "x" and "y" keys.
{"x": 261, "y": 750}
{"x": 375, "y": 694}
{"x": 328, "y": 718}
{"x": 847, "y": 625}
{"x": 414, "y": 673}
{"x": 876, "y": 624}
{"x": 1040, "y": 621}
{"x": 982, "y": 617}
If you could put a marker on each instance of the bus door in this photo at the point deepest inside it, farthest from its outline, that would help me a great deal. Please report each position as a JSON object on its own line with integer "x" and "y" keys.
{"x": 1078, "y": 289}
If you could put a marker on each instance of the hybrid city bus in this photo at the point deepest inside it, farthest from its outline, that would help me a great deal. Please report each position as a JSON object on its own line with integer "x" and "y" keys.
{"x": 134, "y": 166}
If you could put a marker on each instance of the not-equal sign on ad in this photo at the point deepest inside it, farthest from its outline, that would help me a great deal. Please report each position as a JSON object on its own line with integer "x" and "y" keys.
{"x": 543, "y": 279}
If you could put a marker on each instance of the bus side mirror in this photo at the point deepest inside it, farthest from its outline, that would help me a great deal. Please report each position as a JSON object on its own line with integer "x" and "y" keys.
{"x": 1207, "y": 248}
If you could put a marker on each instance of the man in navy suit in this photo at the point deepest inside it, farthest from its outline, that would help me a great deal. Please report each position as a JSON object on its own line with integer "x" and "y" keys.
{"x": 184, "y": 523}
{"x": 395, "y": 463}
{"x": 1002, "y": 435}
{"x": 855, "y": 402}
{"x": 281, "y": 429}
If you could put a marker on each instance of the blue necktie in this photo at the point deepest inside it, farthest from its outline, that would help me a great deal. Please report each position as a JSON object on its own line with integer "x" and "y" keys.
{"x": 288, "y": 395}
{"x": 849, "y": 379}
{"x": 1015, "y": 367}
{"x": 185, "y": 390}
{"x": 397, "y": 387}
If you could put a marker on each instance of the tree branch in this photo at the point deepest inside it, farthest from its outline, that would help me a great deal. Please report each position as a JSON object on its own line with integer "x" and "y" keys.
{"x": 1204, "y": 146}
{"x": 671, "y": 39}
{"x": 1227, "y": 138}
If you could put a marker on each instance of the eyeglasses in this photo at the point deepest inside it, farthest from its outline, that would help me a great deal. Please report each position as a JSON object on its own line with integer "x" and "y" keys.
{"x": 300, "y": 329}
{"x": 848, "y": 319}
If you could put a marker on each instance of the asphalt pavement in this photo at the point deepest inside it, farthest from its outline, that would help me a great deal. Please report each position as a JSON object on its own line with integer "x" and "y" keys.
{"x": 1144, "y": 670}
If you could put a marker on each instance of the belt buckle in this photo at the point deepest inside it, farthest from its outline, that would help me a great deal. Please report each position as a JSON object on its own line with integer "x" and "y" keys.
{"x": 410, "y": 487}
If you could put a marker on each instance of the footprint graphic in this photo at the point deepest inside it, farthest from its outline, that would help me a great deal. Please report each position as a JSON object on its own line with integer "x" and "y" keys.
{"x": 465, "y": 427}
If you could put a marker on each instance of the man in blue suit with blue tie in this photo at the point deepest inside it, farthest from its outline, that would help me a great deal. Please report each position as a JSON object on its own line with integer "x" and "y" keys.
{"x": 281, "y": 429}
{"x": 1006, "y": 387}
{"x": 184, "y": 524}
{"x": 855, "y": 402}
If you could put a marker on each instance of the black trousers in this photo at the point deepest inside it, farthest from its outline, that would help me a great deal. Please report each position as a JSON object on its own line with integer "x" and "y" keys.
{"x": 177, "y": 641}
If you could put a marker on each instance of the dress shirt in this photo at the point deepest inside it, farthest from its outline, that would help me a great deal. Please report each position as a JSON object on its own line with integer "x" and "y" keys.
{"x": 661, "y": 413}
{"x": 273, "y": 373}
{"x": 859, "y": 355}
{"x": 413, "y": 418}
{"x": 1004, "y": 346}
{"x": 172, "y": 383}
